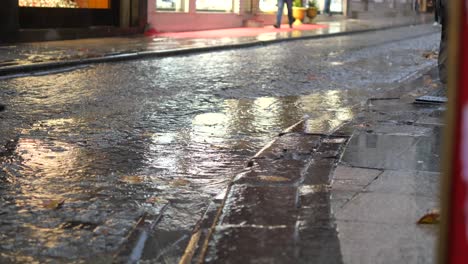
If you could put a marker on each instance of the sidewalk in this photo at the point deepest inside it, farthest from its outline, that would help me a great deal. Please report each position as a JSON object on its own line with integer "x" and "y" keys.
{"x": 28, "y": 57}
{"x": 352, "y": 196}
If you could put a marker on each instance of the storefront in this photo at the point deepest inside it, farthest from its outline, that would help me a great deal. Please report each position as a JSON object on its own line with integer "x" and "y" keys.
{"x": 267, "y": 6}
{"x": 191, "y": 15}
{"x": 187, "y": 15}
{"x": 68, "y": 13}
{"x": 31, "y": 20}
{"x": 336, "y": 6}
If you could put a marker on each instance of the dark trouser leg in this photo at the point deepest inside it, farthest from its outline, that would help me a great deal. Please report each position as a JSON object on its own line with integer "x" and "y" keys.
{"x": 279, "y": 14}
{"x": 290, "y": 16}
{"x": 326, "y": 8}
{"x": 443, "y": 51}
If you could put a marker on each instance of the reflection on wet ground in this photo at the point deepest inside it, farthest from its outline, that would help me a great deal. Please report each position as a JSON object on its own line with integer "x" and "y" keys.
{"x": 86, "y": 153}
{"x": 80, "y": 181}
{"x": 385, "y": 151}
{"x": 389, "y": 177}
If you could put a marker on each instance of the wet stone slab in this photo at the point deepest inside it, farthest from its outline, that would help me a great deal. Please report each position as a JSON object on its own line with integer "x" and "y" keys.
{"x": 356, "y": 176}
{"x": 318, "y": 173}
{"x": 430, "y": 121}
{"x": 281, "y": 171}
{"x": 396, "y": 243}
{"x": 396, "y": 129}
{"x": 382, "y": 151}
{"x": 252, "y": 245}
{"x": 348, "y": 182}
{"x": 319, "y": 245}
{"x": 293, "y": 146}
{"x": 316, "y": 211}
{"x": 260, "y": 205}
{"x": 387, "y": 208}
{"x": 419, "y": 183}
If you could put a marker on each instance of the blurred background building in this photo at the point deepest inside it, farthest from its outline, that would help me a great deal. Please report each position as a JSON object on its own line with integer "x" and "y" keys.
{"x": 27, "y": 20}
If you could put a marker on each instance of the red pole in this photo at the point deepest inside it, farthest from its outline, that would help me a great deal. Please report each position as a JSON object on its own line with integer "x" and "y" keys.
{"x": 457, "y": 224}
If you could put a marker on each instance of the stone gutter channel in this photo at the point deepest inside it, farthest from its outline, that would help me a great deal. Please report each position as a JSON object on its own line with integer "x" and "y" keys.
{"x": 281, "y": 193}
{"x": 271, "y": 204}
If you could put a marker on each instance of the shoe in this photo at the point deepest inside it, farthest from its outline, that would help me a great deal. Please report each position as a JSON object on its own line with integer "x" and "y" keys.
{"x": 2, "y": 107}
{"x": 276, "y": 26}
{"x": 290, "y": 25}
{"x": 435, "y": 24}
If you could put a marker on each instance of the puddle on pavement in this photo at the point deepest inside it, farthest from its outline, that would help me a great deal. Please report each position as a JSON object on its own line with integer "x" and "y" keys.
{"x": 385, "y": 151}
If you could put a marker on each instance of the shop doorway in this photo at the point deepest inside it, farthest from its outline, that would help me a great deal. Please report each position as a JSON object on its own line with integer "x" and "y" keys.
{"x": 35, "y": 14}
{"x": 336, "y": 6}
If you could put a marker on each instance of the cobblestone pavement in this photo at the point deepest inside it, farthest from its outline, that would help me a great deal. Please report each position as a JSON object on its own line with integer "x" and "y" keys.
{"x": 86, "y": 154}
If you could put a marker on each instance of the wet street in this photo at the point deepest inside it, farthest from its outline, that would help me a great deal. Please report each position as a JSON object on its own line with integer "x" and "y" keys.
{"x": 87, "y": 153}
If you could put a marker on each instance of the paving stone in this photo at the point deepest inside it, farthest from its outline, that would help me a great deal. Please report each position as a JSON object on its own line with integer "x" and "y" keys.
{"x": 407, "y": 182}
{"x": 430, "y": 121}
{"x": 339, "y": 198}
{"x": 395, "y": 152}
{"x": 319, "y": 172}
{"x": 319, "y": 245}
{"x": 360, "y": 175}
{"x": 252, "y": 245}
{"x": 387, "y": 208}
{"x": 260, "y": 205}
{"x": 291, "y": 146}
{"x": 370, "y": 243}
{"x": 347, "y": 185}
{"x": 281, "y": 171}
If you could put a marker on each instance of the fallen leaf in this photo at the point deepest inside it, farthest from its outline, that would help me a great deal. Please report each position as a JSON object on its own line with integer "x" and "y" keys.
{"x": 180, "y": 182}
{"x": 312, "y": 77}
{"x": 53, "y": 204}
{"x": 431, "y": 55}
{"x": 430, "y": 218}
{"x": 273, "y": 178}
{"x": 132, "y": 179}
{"x": 155, "y": 200}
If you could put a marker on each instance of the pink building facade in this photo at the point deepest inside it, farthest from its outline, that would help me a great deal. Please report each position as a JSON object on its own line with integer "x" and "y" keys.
{"x": 192, "y": 15}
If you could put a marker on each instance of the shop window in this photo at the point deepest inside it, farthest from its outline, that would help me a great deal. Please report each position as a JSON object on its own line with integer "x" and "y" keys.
{"x": 215, "y": 5}
{"x": 268, "y": 6}
{"x": 100, "y": 4}
{"x": 172, "y": 5}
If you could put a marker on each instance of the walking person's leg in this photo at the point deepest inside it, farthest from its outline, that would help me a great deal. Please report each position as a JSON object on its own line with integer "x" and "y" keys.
{"x": 326, "y": 8}
{"x": 290, "y": 16}
{"x": 279, "y": 14}
{"x": 436, "y": 13}
{"x": 443, "y": 52}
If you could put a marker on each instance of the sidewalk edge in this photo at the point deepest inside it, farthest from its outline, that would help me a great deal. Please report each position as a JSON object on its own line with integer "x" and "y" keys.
{"x": 27, "y": 69}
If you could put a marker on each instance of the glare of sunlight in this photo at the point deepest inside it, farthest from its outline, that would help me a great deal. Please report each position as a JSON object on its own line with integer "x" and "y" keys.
{"x": 336, "y": 63}
{"x": 209, "y": 127}
{"x": 329, "y": 108}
